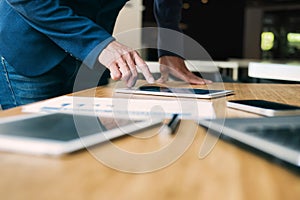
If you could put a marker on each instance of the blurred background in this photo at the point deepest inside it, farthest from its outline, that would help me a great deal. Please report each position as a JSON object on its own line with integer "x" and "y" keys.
{"x": 239, "y": 31}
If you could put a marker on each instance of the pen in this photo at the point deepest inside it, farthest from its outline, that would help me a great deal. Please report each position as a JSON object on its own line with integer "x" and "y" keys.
{"x": 171, "y": 127}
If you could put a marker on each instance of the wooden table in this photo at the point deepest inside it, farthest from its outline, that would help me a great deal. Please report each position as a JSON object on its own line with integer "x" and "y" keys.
{"x": 228, "y": 172}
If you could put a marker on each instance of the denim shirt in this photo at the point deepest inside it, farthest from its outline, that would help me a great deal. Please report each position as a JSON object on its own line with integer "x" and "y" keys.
{"x": 35, "y": 35}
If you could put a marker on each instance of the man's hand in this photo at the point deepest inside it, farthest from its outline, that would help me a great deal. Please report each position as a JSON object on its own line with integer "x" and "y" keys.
{"x": 176, "y": 66}
{"x": 122, "y": 62}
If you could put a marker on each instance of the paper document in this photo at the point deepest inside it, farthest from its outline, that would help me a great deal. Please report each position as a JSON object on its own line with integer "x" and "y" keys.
{"x": 122, "y": 107}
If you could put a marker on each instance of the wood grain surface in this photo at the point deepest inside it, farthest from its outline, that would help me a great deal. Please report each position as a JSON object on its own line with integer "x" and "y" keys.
{"x": 229, "y": 171}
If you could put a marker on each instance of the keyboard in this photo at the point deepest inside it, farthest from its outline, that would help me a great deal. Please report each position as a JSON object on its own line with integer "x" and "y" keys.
{"x": 278, "y": 136}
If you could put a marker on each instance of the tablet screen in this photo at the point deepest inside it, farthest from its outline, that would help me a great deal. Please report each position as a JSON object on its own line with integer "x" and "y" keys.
{"x": 177, "y": 90}
{"x": 60, "y": 126}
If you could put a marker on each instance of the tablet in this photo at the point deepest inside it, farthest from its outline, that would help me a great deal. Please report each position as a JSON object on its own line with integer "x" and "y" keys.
{"x": 263, "y": 107}
{"x": 176, "y": 92}
{"x": 59, "y": 133}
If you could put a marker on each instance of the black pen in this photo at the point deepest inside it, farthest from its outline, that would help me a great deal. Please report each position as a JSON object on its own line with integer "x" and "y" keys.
{"x": 171, "y": 127}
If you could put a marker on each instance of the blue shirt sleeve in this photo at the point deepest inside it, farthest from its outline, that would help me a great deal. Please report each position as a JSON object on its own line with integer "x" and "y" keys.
{"x": 77, "y": 35}
{"x": 168, "y": 15}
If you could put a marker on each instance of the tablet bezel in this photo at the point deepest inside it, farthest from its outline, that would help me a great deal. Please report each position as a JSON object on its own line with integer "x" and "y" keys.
{"x": 37, "y": 146}
{"x": 259, "y": 110}
{"x": 221, "y": 93}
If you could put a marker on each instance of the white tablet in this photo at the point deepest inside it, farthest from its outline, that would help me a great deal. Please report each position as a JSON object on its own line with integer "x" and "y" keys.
{"x": 59, "y": 133}
{"x": 175, "y": 92}
{"x": 263, "y": 107}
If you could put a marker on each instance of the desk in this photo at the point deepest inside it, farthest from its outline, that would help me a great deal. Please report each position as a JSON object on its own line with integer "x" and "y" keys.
{"x": 228, "y": 172}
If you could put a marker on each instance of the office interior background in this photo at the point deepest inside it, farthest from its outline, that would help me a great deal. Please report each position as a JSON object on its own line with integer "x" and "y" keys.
{"x": 236, "y": 30}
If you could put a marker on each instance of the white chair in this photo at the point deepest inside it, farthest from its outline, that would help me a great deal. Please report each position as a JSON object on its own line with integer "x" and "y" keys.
{"x": 207, "y": 69}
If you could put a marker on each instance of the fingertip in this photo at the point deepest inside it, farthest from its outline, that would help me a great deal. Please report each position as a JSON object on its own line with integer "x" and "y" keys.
{"x": 115, "y": 76}
{"x": 150, "y": 79}
{"x": 201, "y": 83}
{"x": 197, "y": 82}
{"x": 129, "y": 85}
{"x": 161, "y": 80}
{"x": 208, "y": 81}
{"x": 131, "y": 82}
{"x": 148, "y": 76}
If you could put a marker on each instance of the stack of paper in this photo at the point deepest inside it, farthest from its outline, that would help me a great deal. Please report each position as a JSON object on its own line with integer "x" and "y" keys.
{"x": 122, "y": 107}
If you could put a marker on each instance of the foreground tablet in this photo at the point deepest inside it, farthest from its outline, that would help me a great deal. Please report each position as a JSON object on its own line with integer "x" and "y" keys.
{"x": 277, "y": 136}
{"x": 59, "y": 133}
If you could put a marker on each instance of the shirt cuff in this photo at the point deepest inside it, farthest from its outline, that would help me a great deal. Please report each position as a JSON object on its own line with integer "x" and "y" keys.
{"x": 92, "y": 58}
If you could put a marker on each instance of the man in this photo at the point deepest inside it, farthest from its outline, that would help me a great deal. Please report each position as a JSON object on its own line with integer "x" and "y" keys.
{"x": 43, "y": 43}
